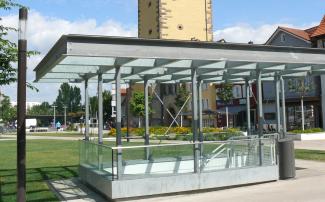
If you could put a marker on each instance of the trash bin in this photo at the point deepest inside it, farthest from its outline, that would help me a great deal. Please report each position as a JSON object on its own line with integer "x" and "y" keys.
{"x": 287, "y": 168}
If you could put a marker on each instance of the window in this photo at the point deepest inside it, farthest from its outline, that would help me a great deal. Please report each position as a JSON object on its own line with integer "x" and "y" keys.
{"x": 150, "y": 31}
{"x": 236, "y": 90}
{"x": 149, "y": 4}
{"x": 320, "y": 44}
{"x": 283, "y": 37}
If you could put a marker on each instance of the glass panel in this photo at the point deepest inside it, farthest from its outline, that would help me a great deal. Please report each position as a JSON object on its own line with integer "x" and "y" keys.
{"x": 175, "y": 159}
{"x": 96, "y": 157}
{"x": 155, "y": 161}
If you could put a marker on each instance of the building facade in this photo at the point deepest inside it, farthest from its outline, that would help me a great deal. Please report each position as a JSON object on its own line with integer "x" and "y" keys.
{"x": 175, "y": 20}
{"x": 314, "y": 99}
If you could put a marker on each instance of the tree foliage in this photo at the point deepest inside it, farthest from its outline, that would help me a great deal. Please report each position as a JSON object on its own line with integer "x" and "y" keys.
{"x": 70, "y": 97}
{"x": 107, "y": 102}
{"x": 43, "y": 109}
{"x": 93, "y": 105}
{"x": 7, "y": 111}
{"x": 137, "y": 104}
{"x": 225, "y": 93}
{"x": 9, "y": 50}
{"x": 182, "y": 95}
{"x": 107, "y": 105}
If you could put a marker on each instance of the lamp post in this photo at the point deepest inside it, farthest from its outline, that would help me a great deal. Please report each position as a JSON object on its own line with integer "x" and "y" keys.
{"x": 21, "y": 102}
{"x": 54, "y": 106}
{"x": 65, "y": 116}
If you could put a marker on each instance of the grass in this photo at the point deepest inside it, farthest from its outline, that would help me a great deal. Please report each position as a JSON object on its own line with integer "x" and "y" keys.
{"x": 313, "y": 155}
{"x": 58, "y": 159}
{"x": 46, "y": 160}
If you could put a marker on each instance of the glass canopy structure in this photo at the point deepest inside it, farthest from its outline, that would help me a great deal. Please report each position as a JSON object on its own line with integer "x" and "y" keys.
{"x": 102, "y": 59}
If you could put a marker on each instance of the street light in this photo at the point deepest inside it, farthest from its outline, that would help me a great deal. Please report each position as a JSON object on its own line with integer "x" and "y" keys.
{"x": 54, "y": 106}
{"x": 21, "y": 110}
{"x": 65, "y": 116}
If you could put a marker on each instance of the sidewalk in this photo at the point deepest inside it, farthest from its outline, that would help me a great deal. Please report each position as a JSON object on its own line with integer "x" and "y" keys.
{"x": 307, "y": 187}
{"x": 310, "y": 145}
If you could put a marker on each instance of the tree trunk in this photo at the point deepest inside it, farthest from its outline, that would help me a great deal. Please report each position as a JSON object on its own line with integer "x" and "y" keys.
{"x": 139, "y": 126}
{"x": 302, "y": 114}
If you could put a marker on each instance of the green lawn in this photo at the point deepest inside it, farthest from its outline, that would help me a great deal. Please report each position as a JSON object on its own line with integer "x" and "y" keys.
{"x": 46, "y": 160}
{"x": 314, "y": 155}
{"x": 57, "y": 159}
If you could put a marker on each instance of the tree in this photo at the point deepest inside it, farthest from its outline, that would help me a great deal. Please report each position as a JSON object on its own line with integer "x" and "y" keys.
{"x": 9, "y": 50}
{"x": 181, "y": 98}
{"x": 226, "y": 95}
{"x": 137, "y": 105}
{"x": 70, "y": 97}
{"x": 93, "y": 102}
{"x": 302, "y": 86}
{"x": 7, "y": 111}
{"x": 43, "y": 109}
{"x": 182, "y": 95}
{"x": 107, "y": 105}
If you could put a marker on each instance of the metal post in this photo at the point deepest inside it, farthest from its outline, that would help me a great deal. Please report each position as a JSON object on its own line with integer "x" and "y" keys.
{"x": 302, "y": 114}
{"x": 260, "y": 113}
{"x": 128, "y": 94}
{"x": 146, "y": 112}
{"x": 100, "y": 120}
{"x": 200, "y": 112}
{"x": 65, "y": 116}
{"x": 118, "y": 120}
{"x": 87, "y": 110}
{"x": 284, "y": 121}
{"x": 54, "y": 117}
{"x": 277, "y": 103}
{"x": 227, "y": 117}
{"x": 195, "y": 119}
{"x": 21, "y": 110}
{"x": 248, "y": 107}
{"x": 100, "y": 108}
{"x": 199, "y": 90}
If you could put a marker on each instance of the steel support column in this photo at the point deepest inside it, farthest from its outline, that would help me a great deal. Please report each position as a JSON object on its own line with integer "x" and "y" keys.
{"x": 146, "y": 112}
{"x": 248, "y": 107}
{"x": 100, "y": 108}
{"x": 196, "y": 150}
{"x": 284, "y": 118}
{"x": 200, "y": 110}
{"x": 118, "y": 119}
{"x": 260, "y": 113}
{"x": 277, "y": 103}
{"x": 100, "y": 120}
{"x": 87, "y": 110}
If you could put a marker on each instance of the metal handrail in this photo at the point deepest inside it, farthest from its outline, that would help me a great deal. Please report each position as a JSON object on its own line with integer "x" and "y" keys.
{"x": 183, "y": 144}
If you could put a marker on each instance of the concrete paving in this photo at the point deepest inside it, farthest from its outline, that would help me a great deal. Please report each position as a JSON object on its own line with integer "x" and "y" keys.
{"x": 307, "y": 187}
{"x": 74, "y": 191}
{"x": 310, "y": 144}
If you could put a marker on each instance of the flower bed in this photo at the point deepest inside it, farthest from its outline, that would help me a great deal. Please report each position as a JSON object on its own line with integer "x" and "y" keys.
{"x": 181, "y": 133}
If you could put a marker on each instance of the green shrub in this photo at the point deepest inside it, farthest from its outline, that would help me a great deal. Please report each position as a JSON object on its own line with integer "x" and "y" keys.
{"x": 311, "y": 130}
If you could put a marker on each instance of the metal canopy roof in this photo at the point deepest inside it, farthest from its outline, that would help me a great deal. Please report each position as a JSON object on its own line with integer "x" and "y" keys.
{"x": 77, "y": 57}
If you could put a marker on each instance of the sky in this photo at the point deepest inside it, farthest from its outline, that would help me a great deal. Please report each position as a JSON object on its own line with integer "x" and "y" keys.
{"x": 233, "y": 20}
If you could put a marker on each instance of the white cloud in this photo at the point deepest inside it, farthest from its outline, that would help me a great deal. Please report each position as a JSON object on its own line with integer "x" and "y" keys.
{"x": 243, "y": 33}
{"x": 43, "y": 32}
